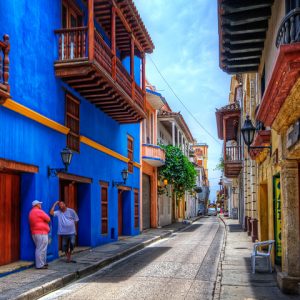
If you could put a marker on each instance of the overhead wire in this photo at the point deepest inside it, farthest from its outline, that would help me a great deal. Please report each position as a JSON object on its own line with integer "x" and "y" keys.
{"x": 186, "y": 108}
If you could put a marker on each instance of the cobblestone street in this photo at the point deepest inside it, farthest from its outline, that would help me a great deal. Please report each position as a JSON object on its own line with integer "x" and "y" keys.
{"x": 183, "y": 266}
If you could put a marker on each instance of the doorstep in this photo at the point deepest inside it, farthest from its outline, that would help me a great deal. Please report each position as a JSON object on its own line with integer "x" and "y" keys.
{"x": 15, "y": 267}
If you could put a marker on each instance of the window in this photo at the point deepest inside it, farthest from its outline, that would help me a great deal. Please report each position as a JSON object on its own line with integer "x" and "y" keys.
{"x": 104, "y": 208}
{"x": 72, "y": 122}
{"x": 290, "y": 4}
{"x": 130, "y": 153}
{"x": 263, "y": 83}
{"x": 71, "y": 15}
{"x": 136, "y": 208}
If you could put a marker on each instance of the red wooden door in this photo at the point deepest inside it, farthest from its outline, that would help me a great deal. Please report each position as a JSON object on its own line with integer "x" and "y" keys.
{"x": 120, "y": 213}
{"x": 68, "y": 194}
{"x": 9, "y": 218}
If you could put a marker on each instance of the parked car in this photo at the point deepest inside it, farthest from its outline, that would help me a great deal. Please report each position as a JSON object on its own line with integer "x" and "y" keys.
{"x": 211, "y": 211}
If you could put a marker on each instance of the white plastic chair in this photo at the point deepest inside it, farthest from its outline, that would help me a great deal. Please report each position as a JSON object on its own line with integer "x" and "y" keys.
{"x": 257, "y": 253}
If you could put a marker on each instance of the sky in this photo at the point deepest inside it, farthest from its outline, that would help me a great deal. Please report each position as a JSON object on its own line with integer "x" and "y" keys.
{"x": 185, "y": 35}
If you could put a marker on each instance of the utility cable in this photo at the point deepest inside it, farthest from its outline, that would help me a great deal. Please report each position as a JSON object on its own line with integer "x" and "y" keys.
{"x": 191, "y": 114}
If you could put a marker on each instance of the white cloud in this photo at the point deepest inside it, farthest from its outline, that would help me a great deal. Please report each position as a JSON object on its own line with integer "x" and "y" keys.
{"x": 185, "y": 34}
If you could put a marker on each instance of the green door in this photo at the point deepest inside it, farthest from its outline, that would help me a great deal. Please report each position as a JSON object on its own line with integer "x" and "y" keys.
{"x": 277, "y": 217}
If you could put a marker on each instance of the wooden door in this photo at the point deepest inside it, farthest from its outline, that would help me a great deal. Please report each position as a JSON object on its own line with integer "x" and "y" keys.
{"x": 71, "y": 15}
{"x": 146, "y": 203}
{"x": 68, "y": 194}
{"x": 120, "y": 213}
{"x": 9, "y": 218}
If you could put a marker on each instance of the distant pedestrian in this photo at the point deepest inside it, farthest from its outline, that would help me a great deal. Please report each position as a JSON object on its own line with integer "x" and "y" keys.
{"x": 39, "y": 227}
{"x": 67, "y": 219}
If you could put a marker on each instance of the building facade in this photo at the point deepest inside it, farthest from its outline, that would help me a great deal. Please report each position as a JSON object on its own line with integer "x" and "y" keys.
{"x": 74, "y": 75}
{"x": 173, "y": 130}
{"x": 270, "y": 82}
{"x": 153, "y": 156}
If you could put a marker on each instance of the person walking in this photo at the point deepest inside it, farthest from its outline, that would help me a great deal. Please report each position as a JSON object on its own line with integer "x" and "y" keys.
{"x": 39, "y": 227}
{"x": 67, "y": 219}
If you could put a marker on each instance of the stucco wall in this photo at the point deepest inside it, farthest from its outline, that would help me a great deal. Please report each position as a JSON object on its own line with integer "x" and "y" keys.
{"x": 270, "y": 51}
{"x": 31, "y": 26}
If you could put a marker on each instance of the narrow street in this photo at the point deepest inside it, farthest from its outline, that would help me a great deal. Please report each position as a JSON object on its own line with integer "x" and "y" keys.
{"x": 183, "y": 266}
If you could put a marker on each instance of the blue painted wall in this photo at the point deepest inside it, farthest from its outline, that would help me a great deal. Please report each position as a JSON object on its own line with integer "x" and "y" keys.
{"x": 31, "y": 25}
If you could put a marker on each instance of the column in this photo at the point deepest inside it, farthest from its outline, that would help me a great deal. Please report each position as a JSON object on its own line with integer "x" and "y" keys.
{"x": 132, "y": 67}
{"x": 113, "y": 43}
{"x": 91, "y": 29}
{"x": 290, "y": 227}
{"x": 173, "y": 133}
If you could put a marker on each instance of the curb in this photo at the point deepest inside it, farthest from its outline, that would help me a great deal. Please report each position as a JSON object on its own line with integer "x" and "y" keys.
{"x": 217, "y": 288}
{"x": 61, "y": 282}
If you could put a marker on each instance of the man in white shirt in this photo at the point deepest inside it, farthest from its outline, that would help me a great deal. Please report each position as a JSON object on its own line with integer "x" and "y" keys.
{"x": 67, "y": 219}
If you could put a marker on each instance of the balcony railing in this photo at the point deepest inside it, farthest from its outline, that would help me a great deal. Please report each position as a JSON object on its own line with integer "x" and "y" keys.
{"x": 233, "y": 161}
{"x": 233, "y": 153}
{"x": 289, "y": 29}
{"x": 4, "y": 67}
{"x": 73, "y": 47}
{"x": 153, "y": 154}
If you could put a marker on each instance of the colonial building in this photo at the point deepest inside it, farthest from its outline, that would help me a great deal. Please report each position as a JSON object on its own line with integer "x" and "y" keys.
{"x": 261, "y": 41}
{"x": 173, "y": 130}
{"x": 201, "y": 153}
{"x": 73, "y": 75}
{"x": 153, "y": 156}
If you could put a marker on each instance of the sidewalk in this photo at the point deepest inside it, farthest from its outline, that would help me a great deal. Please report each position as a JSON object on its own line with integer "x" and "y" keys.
{"x": 235, "y": 279}
{"x": 32, "y": 283}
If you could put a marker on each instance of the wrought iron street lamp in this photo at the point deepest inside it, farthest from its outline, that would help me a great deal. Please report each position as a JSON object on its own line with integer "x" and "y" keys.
{"x": 248, "y": 131}
{"x": 124, "y": 174}
{"x": 66, "y": 157}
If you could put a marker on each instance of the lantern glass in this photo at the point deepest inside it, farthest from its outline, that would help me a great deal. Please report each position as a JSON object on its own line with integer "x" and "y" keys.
{"x": 66, "y": 156}
{"x": 248, "y": 131}
{"x": 124, "y": 175}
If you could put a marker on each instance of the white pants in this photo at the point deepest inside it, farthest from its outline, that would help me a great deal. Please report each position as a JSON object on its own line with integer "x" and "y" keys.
{"x": 41, "y": 243}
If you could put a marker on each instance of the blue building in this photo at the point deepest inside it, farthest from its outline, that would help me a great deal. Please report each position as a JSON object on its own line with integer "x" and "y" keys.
{"x": 72, "y": 75}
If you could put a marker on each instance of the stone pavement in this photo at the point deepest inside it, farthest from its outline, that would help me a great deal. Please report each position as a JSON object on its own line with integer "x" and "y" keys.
{"x": 235, "y": 280}
{"x": 32, "y": 283}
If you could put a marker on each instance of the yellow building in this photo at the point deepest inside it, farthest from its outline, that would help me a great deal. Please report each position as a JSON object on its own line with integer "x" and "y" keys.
{"x": 268, "y": 56}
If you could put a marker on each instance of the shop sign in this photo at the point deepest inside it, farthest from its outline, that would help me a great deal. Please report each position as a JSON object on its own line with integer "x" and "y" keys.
{"x": 293, "y": 134}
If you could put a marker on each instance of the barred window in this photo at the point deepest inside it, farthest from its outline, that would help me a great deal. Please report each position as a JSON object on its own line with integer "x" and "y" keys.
{"x": 104, "y": 209}
{"x": 72, "y": 122}
{"x": 136, "y": 208}
{"x": 130, "y": 153}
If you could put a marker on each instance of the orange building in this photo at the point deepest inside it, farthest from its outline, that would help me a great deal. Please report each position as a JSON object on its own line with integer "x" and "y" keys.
{"x": 153, "y": 156}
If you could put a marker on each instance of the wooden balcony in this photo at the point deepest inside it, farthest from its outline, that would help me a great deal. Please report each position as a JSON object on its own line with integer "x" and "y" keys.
{"x": 153, "y": 155}
{"x": 4, "y": 69}
{"x": 103, "y": 81}
{"x": 232, "y": 161}
{"x": 285, "y": 73}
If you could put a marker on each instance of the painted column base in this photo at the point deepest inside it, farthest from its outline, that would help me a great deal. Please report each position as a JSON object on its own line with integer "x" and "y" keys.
{"x": 254, "y": 231}
{"x": 246, "y": 223}
{"x": 288, "y": 284}
{"x": 249, "y": 226}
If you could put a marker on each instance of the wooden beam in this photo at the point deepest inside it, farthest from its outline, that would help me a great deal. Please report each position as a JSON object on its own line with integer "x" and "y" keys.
{"x": 10, "y": 165}
{"x": 73, "y": 177}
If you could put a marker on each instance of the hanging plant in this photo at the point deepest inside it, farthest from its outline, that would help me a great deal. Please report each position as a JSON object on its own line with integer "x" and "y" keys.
{"x": 178, "y": 170}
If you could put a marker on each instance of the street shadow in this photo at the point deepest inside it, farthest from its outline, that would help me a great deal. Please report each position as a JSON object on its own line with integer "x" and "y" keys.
{"x": 235, "y": 227}
{"x": 191, "y": 228}
{"x": 130, "y": 266}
